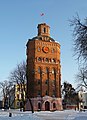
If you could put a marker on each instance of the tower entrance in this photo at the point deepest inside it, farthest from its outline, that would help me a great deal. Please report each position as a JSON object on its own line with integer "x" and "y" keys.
{"x": 47, "y": 106}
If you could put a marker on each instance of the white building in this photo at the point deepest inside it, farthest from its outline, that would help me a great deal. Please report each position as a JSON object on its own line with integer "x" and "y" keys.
{"x": 83, "y": 99}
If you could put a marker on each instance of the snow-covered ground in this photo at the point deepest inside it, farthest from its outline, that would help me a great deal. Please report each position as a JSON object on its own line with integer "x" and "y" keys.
{"x": 44, "y": 115}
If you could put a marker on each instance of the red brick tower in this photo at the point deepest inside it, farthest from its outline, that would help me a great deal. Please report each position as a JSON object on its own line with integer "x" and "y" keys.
{"x": 44, "y": 71}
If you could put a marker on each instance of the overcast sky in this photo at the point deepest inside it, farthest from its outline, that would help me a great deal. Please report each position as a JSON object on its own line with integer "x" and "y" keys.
{"x": 18, "y": 23}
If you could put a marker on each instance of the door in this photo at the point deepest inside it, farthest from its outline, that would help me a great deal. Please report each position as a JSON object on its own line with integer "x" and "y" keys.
{"x": 47, "y": 106}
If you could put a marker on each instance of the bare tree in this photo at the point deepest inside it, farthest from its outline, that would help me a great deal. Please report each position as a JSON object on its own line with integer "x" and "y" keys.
{"x": 81, "y": 78}
{"x": 80, "y": 38}
{"x": 6, "y": 87}
{"x": 18, "y": 75}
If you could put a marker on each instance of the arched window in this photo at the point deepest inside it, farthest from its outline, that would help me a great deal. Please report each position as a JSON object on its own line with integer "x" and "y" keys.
{"x": 46, "y": 82}
{"x": 46, "y": 92}
{"x": 39, "y": 59}
{"x": 53, "y": 70}
{"x": 54, "y": 105}
{"x": 54, "y": 93}
{"x": 39, "y": 106}
{"x": 44, "y": 30}
{"x": 47, "y": 60}
{"x": 39, "y": 69}
{"x": 38, "y": 82}
{"x": 39, "y": 49}
{"x": 39, "y": 93}
{"x": 53, "y": 50}
{"x": 47, "y": 69}
{"x": 53, "y": 60}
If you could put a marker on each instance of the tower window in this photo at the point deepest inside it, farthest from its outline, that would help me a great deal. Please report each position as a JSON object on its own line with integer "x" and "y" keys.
{"x": 44, "y": 30}
{"x": 40, "y": 38}
{"x": 47, "y": 60}
{"x": 53, "y": 92}
{"x": 53, "y": 70}
{"x": 38, "y": 82}
{"x": 39, "y": 59}
{"x": 46, "y": 82}
{"x": 39, "y": 49}
{"x": 47, "y": 70}
{"x": 38, "y": 92}
{"x": 53, "y": 82}
{"x": 39, "y": 69}
{"x": 46, "y": 92}
{"x": 53, "y": 50}
{"x": 53, "y": 60}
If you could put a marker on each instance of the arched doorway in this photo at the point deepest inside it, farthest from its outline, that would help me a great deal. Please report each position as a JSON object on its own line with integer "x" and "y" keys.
{"x": 39, "y": 106}
{"x": 47, "y": 106}
{"x": 54, "y": 105}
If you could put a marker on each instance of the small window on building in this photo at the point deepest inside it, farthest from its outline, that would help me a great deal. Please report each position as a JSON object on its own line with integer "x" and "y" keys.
{"x": 38, "y": 82}
{"x": 53, "y": 82}
{"x": 44, "y": 30}
{"x": 52, "y": 70}
{"x": 39, "y": 106}
{"x": 18, "y": 89}
{"x": 18, "y": 103}
{"x": 54, "y": 105}
{"x": 46, "y": 82}
{"x": 47, "y": 60}
{"x": 39, "y": 58}
{"x": 47, "y": 69}
{"x": 17, "y": 96}
{"x": 53, "y": 50}
{"x": 39, "y": 69}
{"x": 46, "y": 92}
{"x": 39, "y": 49}
{"x": 53, "y": 92}
{"x": 53, "y": 60}
{"x": 38, "y": 93}
{"x": 40, "y": 38}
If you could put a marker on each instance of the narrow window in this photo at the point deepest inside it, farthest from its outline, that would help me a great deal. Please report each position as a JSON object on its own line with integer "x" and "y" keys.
{"x": 53, "y": 50}
{"x": 52, "y": 70}
{"x": 54, "y": 105}
{"x": 39, "y": 69}
{"x": 39, "y": 106}
{"x": 46, "y": 92}
{"x": 53, "y": 60}
{"x": 46, "y": 82}
{"x": 38, "y": 49}
{"x": 38, "y": 93}
{"x": 38, "y": 82}
{"x": 53, "y": 92}
{"x": 44, "y": 30}
{"x": 47, "y": 70}
{"x": 47, "y": 60}
{"x": 39, "y": 59}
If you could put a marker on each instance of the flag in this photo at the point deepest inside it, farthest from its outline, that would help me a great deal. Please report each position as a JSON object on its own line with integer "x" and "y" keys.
{"x": 42, "y": 14}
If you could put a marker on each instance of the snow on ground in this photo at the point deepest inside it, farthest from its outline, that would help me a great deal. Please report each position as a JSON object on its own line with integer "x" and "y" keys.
{"x": 17, "y": 115}
{"x": 44, "y": 115}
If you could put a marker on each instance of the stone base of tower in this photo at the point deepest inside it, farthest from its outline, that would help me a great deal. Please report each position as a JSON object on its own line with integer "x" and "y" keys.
{"x": 45, "y": 103}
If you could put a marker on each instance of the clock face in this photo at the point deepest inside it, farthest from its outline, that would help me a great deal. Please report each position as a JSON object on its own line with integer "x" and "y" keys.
{"x": 45, "y": 49}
